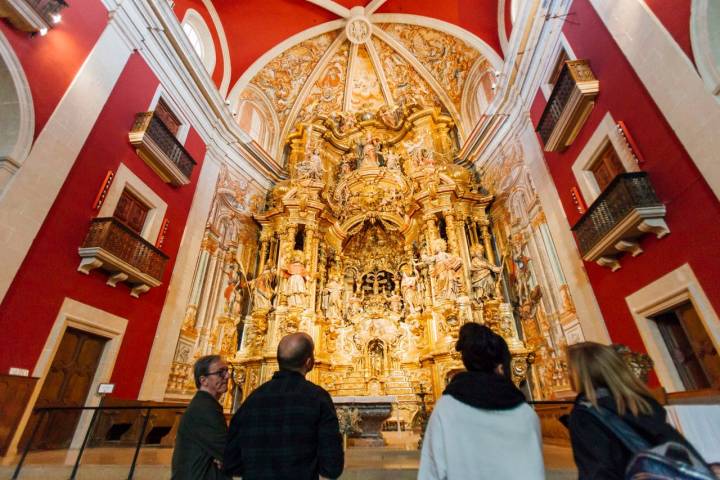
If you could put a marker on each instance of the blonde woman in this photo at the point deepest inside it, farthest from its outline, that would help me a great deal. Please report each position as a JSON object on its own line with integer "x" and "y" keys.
{"x": 602, "y": 379}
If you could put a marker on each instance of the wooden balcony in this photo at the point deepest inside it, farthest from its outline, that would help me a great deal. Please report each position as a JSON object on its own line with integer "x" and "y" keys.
{"x": 34, "y": 16}
{"x": 159, "y": 148}
{"x": 626, "y": 210}
{"x": 127, "y": 256}
{"x": 570, "y": 103}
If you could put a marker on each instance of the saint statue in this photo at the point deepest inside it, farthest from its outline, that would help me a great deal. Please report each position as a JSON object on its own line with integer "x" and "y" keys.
{"x": 481, "y": 274}
{"x": 312, "y": 166}
{"x": 392, "y": 160}
{"x": 369, "y": 152}
{"x": 333, "y": 298}
{"x": 445, "y": 270}
{"x": 409, "y": 289}
{"x": 295, "y": 285}
{"x": 263, "y": 290}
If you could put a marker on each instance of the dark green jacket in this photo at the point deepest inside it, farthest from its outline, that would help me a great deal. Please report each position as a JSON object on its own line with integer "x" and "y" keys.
{"x": 200, "y": 440}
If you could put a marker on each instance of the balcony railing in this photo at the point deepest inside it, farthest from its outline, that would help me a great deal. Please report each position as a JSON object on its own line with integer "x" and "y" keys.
{"x": 159, "y": 148}
{"x": 128, "y": 257}
{"x": 626, "y": 210}
{"x": 32, "y": 15}
{"x": 570, "y": 103}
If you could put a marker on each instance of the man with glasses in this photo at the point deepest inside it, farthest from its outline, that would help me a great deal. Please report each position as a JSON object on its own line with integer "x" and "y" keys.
{"x": 202, "y": 432}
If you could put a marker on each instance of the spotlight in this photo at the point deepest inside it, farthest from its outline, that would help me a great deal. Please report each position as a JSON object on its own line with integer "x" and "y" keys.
{"x": 43, "y": 31}
{"x": 56, "y": 17}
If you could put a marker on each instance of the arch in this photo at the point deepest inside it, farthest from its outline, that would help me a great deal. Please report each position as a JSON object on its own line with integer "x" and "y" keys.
{"x": 478, "y": 92}
{"x": 200, "y": 37}
{"x": 705, "y": 40}
{"x": 468, "y": 37}
{"x": 17, "y": 115}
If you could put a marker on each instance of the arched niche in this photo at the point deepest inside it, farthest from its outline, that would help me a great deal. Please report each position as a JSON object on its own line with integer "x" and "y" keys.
{"x": 17, "y": 117}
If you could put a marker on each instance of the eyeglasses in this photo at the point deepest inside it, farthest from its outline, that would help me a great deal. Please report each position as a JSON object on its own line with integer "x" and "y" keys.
{"x": 223, "y": 372}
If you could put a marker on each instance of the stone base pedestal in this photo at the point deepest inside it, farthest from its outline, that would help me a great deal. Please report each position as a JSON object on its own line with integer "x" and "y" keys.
{"x": 373, "y": 412}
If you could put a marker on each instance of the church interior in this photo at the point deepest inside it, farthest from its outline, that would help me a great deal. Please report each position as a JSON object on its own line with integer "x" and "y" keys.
{"x": 204, "y": 177}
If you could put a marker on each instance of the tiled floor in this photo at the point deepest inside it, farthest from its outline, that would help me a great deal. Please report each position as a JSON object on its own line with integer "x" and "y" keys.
{"x": 398, "y": 461}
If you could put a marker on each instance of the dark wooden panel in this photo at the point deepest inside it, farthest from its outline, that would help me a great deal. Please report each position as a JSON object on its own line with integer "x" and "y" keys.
{"x": 15, "y": 393}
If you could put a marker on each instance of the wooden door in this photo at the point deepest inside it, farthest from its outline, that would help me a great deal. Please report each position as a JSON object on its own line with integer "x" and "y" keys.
{"x": 131, "y": 211}
{"x": 67, "y": 384}
{"x": 701, "y": 343}
{"x": 690, "y": 347}
{"x": 607, "y": 166}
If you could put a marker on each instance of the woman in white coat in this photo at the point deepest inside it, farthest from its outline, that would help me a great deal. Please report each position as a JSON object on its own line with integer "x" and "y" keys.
{"x": 482, "y": 427}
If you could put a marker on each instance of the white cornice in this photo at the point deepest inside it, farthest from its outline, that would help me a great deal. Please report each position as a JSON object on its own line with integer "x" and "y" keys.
{"x": 152, "y": 29}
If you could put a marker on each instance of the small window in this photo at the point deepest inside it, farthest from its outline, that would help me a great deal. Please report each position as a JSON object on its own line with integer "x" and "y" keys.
{"x": 692, "y": 351}
{"x": 163, "y": 112}
{"x": 559, "y": 64}
{"x": 606, "y": 166}
{"x": 194, "y": 38}
{"x": 131, "y": 211}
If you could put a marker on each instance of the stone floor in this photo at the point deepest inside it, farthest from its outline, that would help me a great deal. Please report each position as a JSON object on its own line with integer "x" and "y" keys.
{"x": 398, "y": 461}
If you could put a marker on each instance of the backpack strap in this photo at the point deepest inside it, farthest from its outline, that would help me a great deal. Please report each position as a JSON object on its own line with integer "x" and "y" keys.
{"x": 624, "y": 432}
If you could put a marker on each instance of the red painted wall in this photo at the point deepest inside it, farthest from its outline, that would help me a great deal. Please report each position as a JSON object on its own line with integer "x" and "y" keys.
{"x": 180, "y": 8}
{"x": 52, "y": 62}
{"x": 281, "y": 20}
{"x": 49, "y": 272}
{"x": 692, "y": 209}
{"x": 675, "y": 17}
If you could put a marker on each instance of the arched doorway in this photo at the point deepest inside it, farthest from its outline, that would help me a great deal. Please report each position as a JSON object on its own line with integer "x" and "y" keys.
{"x": 17, "y": 119}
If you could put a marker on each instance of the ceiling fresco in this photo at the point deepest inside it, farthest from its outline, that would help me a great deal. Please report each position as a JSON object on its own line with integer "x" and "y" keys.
{"x": 366, "y": 67}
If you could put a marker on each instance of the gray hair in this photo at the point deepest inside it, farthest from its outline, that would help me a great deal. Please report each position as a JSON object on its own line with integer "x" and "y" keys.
{"x": 202, "y": 367}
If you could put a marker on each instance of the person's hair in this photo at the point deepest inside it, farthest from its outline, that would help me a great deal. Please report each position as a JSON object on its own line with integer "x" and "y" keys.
{"x": 482, "y": 349}
{"x": 593, "y": 365}
{"x": 202, "y": 367}
{"x": 294, "y": 357}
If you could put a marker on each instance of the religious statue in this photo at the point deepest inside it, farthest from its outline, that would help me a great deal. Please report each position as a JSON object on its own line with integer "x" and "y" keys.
{"x": 312, "y": 166}
{"x": 392, "y": 160}
{"x": 333, "y": 298}
{"x": 409, "y": 288}
{"x": 296, "y": 276}
{"x": 521, "y": 270}
{"x": 481, "y": 274}
{"x": 391, "y": 117}
{"x": 375, "y": 357}
{"x": 369, "y": 152}
{"x": 263, "y": 290}
{"x": 445, "y": 270}
{"x": 395, "y": 302}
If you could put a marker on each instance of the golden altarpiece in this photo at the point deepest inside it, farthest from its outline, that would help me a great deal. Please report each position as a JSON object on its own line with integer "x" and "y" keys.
{"x": 380, "y": 247}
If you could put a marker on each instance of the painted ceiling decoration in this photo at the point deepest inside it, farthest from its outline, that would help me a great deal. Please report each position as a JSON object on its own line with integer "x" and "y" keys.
{"x": 364, "y": 67}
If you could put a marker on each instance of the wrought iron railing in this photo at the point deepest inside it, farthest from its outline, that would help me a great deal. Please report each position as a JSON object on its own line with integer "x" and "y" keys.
{"x": 161, "y": 135}
{"x": 116, "y": 238}
{"x": 627, "y": 192}
{"x": 575, "y": 78}
{"x": 556, "y": 104}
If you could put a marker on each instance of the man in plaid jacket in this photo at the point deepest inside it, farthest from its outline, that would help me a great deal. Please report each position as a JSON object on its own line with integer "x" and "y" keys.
{"x": 287, "y": 428}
